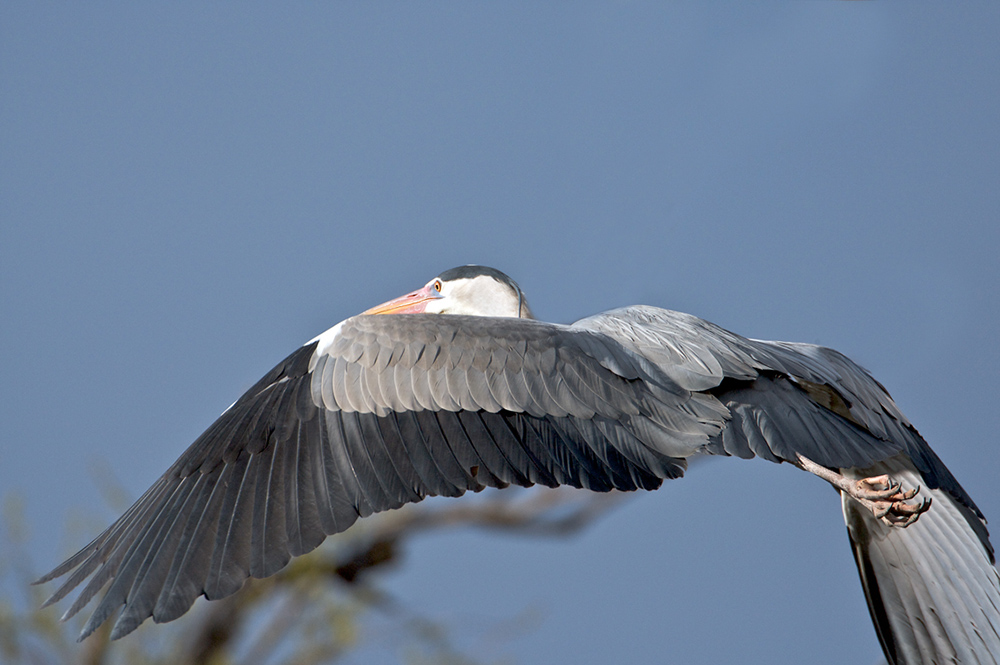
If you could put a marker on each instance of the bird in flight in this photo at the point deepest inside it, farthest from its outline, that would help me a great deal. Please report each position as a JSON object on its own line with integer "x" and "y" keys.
{"x": 456, "y": 387}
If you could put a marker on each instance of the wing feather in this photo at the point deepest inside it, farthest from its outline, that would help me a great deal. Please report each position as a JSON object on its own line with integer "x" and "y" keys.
{"x": 134, "y": 558}
{"x": 475, "y": 470}
{"x": 152, "y": 573}
{"x": 303, "y": 530}
{"x": 186, "y": 579}
{"x": 438, "y": 471}
{"x": 395, "y": 475}
{"x": 341, "y": 498}
{"x": 358, "y": 491}
{"x": 230, "y": 565}
{"x": 543, "y": 467}
{"x": 268, "y": 548}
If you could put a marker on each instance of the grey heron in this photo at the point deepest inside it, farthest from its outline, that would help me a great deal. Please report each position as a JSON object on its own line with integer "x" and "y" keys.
{"x": 461, "y": 388}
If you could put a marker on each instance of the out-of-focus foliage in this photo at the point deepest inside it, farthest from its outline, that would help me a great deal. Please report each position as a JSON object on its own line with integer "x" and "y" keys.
{"x": 320, "y": 608}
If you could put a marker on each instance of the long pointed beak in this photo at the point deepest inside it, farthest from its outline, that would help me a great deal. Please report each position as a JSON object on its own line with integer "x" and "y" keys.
{"x": 411, "y": 303}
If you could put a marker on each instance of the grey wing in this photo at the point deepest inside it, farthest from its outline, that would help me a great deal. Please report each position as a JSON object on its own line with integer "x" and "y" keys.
{"x": 785, "y": 398}
{"x": 379, "y": 412}
{"x": 932, "y": 590}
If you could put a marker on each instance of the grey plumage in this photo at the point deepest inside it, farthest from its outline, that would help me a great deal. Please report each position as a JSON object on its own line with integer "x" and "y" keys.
{"x": 931, "y": 597}
{"x": 385, "y": 410}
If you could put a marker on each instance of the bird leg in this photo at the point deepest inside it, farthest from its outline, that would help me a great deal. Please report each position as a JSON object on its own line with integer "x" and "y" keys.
{"x": 882, "y": 495}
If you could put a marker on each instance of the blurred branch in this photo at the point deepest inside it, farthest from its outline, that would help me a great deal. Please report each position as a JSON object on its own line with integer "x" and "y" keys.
{"x": 507, "y": 511}
{"x": 310, "y": 611}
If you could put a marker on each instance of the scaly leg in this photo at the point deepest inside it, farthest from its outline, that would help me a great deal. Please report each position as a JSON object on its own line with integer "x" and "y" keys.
{"x": 879, "y": 494}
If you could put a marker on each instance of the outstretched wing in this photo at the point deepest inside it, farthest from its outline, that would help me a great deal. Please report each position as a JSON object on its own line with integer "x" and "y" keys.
{"x": 932, "y": 590}
{"x": 377, "y": 412}
{"x": 785, "y": 398}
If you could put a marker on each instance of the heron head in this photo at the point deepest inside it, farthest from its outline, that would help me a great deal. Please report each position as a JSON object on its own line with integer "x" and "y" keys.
{"x": 470, "y": 290}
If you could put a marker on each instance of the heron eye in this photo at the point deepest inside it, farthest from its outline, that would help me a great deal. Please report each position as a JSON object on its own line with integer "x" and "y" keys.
{"x": 437, "y": 285}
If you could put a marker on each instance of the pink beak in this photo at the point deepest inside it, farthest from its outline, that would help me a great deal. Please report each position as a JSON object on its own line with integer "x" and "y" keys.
{"x": 411, "y": 303}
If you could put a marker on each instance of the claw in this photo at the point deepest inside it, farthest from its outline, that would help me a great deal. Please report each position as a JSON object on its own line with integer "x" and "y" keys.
{"x": 869, "y": 488}
{"x": 898, "y": 513}
{"x": 882, "y": 495}
{"x": 881, "y": 509}
{"x": 889, "y": 504}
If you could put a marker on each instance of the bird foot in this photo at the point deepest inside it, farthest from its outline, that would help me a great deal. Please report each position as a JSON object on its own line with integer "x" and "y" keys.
{"x": 887, "y": 500}
{"x": 882, "y": 495}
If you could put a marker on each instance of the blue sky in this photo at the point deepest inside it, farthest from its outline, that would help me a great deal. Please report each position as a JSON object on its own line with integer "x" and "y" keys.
{"x": 188, "y": 192}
